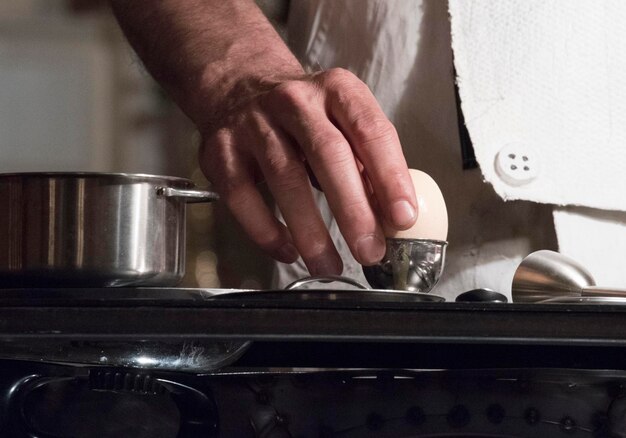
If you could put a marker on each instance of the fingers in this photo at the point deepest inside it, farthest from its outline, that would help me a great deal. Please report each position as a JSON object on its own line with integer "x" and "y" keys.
{"x": 353, "y": 150}
{"x": 376, "y": 144}
{"x": 233, "y": 179}
{"x": 288, "y": 181}
{"x": 302, "y": 114}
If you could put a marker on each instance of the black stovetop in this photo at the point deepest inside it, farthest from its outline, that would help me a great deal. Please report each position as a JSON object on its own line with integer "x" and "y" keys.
{"x": 202, "y": 313}
{"x": 314, "y": 337}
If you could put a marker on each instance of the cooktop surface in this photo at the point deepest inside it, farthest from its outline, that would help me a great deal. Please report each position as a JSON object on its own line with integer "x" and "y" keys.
{"x": 303, "y": 315}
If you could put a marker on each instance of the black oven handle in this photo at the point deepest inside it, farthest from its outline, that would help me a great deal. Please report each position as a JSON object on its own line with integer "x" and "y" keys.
{"x": 198, "y": 412}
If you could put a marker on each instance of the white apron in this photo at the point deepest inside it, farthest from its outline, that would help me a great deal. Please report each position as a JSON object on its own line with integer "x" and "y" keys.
{"x": 403, "y": 50}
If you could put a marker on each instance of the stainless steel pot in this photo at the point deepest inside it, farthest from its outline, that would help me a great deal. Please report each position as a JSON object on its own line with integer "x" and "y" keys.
{"x": 93, "y": 229}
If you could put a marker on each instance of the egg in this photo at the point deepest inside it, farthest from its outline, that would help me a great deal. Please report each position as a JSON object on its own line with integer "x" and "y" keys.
{"x": 432, "y": 215}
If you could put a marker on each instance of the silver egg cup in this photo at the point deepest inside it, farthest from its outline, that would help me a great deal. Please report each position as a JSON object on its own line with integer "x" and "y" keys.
{"x": 413, "y": 265}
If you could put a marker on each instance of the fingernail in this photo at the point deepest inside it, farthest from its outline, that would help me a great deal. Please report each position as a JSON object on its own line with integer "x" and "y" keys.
{"x": 370, "y": 249}
{"x": 287, "y": 253}
{"x": 403, "y": 214}
{"x": 331, "y": 265}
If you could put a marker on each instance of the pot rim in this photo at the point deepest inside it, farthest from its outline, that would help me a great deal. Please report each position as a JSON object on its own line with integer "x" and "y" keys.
{"x": 129, "y": 177}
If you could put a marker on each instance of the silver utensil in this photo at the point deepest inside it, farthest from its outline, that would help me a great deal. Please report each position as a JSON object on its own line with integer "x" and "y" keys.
{"x": 545, "y": 275}
{"x": 409, "y": 264}
{"x": 585, "y": 300}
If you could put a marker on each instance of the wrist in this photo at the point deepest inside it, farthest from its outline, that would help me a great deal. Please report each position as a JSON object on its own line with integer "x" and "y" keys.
{"x": 207, "y": 54}
{"x": 232, "y": 82}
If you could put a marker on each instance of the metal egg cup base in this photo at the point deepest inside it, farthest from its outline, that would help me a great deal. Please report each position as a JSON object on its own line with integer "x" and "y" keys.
{"x": 413, "y": 265}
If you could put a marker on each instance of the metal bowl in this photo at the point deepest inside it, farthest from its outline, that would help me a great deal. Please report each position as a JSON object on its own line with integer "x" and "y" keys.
{"x": 409, "y": 264}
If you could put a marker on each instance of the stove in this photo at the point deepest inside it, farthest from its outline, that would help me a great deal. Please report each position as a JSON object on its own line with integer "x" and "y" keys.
{"x": 202, "y": 362}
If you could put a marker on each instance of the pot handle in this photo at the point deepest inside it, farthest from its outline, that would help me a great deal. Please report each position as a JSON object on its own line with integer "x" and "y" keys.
{"x": 187, "y": 195}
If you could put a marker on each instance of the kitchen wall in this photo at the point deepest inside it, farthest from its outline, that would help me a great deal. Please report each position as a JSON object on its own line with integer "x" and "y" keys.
{"x": 74, "y": 97}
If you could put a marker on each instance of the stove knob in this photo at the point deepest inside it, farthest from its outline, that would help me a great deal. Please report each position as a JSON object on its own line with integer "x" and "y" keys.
{"x": 458, "y": 416}
{"x": 532, "y": 416}
{"x": 374, "y": 422}
{"x": 567, "y": 425}
{"x": 415, "y": 415}
{"x": 495, "y": 413}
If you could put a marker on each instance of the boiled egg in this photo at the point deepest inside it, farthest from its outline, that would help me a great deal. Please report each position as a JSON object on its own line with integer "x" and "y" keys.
{"x": 432, "y": 215}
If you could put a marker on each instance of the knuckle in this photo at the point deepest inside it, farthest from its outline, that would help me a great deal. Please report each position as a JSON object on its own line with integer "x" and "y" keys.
{"x": 213, "y": 172}
{"x": 357, "y": 207}
{"x": 396, "y": 177}
{"x": 290, "y": 182}
{"x": 286, "y": 174}
{"x": 339, "y": 76}
{"x": 214, "y": 139}
{"x": 324, "y": 148}
{"x": 270, "y": 240}
{"x": 393, "y": 184}
{"x": 276, "y": 160}
{"x": 372, "y": 128}
{"x": 289, "y": 94}
{"x": 217, "y": 165}
{"x": 265, "y": 135}
{"x": 259, "y": 127}
{"x": 235, "y": 193}
{"x": 343, "y": 95}
{"x": 342, "y": 86}
{"x": 358, "y": 212}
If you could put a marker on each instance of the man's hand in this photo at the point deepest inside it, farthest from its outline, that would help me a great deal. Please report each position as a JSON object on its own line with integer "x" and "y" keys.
{"x": 262, "y": 118}
{"x": 332, "y": 121}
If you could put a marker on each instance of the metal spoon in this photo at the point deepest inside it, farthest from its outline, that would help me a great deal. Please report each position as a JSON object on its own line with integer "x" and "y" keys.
{"x": 545, "y": 274}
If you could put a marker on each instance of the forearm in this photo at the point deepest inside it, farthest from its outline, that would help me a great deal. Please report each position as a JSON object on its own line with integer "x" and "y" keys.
{"x": 260, "y": 115}
{"x": 206, "y": 52}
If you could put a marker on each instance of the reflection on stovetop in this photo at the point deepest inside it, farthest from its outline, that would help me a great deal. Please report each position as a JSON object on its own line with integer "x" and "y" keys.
{"x": 50, "y": 400}
{"x": 171, "y": 296}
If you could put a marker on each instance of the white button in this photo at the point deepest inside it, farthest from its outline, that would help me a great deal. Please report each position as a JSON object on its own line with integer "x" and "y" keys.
{"x": 517, "y": 165}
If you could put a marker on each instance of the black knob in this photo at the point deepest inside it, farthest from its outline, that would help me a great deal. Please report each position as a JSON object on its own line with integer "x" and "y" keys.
{"x": 458, "y": 416}
{"x": 532, "y": 416}
{"x": 567, "y": 424}
{"x": 374, "y": 421}
{"x": 415, "y": 415}
{"x": 495, "y": 413}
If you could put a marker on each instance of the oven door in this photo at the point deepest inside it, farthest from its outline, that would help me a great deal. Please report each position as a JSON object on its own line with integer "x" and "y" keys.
{"x": 316, "y": 403}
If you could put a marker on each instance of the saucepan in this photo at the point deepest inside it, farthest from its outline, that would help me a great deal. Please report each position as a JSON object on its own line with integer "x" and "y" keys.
{"x": 93, "y": 229}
